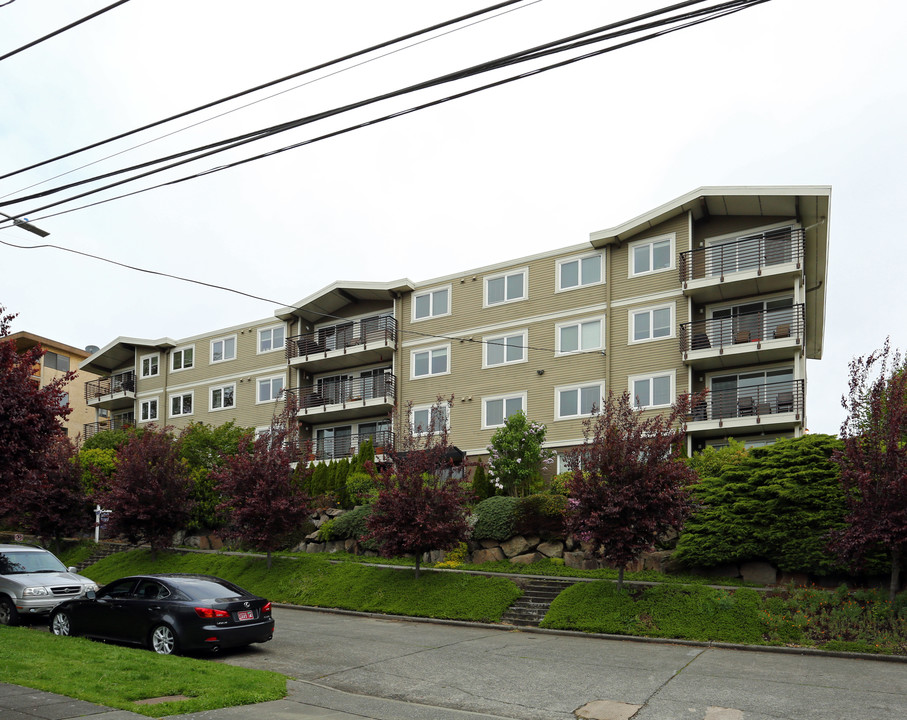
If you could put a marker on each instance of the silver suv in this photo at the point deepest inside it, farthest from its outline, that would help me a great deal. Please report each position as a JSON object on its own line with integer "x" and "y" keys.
{"x": 33, "y": 582}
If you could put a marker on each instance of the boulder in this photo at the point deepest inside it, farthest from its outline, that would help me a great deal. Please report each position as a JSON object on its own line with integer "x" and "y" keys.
{"x": 333, "y": 546}
{"x": 527, "y": 558}
{"x": 516, "y": 545}
{"x": 759, "y": 572}
{"x": 492, "y": 554}
{"x": 574, "y": 559}
{"x": 488, "y": 543}
{"x": 552, "y": 548}
{"x": 314, "y": 547}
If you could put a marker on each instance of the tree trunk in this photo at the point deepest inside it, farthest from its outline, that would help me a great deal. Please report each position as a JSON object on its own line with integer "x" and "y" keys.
{"x": 895, "y": 574}
{"x": 418, "y": 559}
{"x": 620, "y": 578}
{"x": 269, "y": 559}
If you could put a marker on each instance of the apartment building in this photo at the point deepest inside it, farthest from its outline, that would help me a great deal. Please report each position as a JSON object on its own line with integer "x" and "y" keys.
{"x": 722, "y": 290}
{"x": 59, "y": 358}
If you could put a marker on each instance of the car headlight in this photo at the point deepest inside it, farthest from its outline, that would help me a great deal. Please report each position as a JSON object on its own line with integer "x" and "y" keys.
{"x": 89, "y": 587}
{"x": 35, "y": 591}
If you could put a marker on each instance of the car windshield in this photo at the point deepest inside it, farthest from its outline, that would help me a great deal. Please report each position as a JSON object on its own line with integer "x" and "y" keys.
{"x": 16, "y": 562}
{"x": 200, "y": 589}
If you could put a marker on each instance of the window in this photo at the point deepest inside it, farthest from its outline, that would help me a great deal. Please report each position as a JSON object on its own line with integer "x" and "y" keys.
{"x": 430, "y": 418}
{"x": 578, "y": 400}
{"x": 55, "y": 361}
{"x": 150, "y": 365}
{"x": 223, "y": 349}
{"x": 505, "y": 349}
{"x": 651, "y": 324}
{"x": 433, "y": 361}
{"x": 579, "y": 272}
{"x": 182, "y": 358}
{"x": 181, "y": 404}
{"x": 495, "y": 410}
{"x": 433, "y": 303}
{"x": 270, "y": 339}
{"x": 508, "y": 287}
{"x": 580, "y": 336}
{"x": 64, "y": 400}
{"x": 148, "y": 410}
{"x": 656, "y": 390}
{"x": 222, "y": 397}
{"x": 269, "y": 389}
{"x": 651, "y": 256}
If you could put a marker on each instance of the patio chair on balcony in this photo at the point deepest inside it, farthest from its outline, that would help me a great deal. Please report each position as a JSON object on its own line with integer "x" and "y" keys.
{"x": 785, "y": 402}
{"x": 744, "y": 406}
{"x": 764, "y": 408}
{"x": 741, "y": 336}
{"x": 782, "y": 331}
{"x": 700, "y": 342}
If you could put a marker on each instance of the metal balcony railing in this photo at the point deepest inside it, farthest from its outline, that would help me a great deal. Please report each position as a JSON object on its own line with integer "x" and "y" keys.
{"x": 343, "y": 336}
{"x": 345, "y": 446}
{"x": 752, "y": 252}
{"x": 120, "y": 382}
{"x": 344, "y": 391}
{"x": 118, "y": 422}
{"x": 718, "y": 333}
{"x": 756, "y": 401}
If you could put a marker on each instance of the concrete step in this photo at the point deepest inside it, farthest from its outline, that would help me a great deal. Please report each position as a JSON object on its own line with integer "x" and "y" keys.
{"x": 531, "y": 607}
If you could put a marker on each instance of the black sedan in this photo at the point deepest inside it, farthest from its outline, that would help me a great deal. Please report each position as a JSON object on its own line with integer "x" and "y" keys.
{"x": 168, "y": 614}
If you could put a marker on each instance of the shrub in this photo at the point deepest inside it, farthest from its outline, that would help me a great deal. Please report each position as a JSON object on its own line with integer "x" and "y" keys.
{"x": 559, "y": 483}
{"x": 360, "y": 487}
{"x": 496, "y": 518}
{"x": 482, "y": 487}
{"x": 352, "y": 526}
{"x": 541, "y": 515}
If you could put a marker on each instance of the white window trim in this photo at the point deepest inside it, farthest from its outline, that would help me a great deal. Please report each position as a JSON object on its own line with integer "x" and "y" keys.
{"x": 524, "y": 341}
{"x": 576, "y": 386}
{"x": 156, "y": 399}
{"x": 142, "y": 365}
{"x": 524, "y": 271}
{"x": 580, "y": 321}
{"x": 223, "y": 387}
{"x": 181, "y": 349}
{"x": 269, "y": 378}
{"x": 416, "y": 408}
{"x": 651, "y": 241}
{"x": 672, "y": 394}
{"x": 672, "y": 323}
{"x": 258, "y": 350}
{"x": 412, "y": 362}
{"x": 429, "y": 291}
{"x": 221, "y": 339}
{"x": 578, "y": 259}
{"x": 508, "y": 396}
{"x": 180, "y": 395}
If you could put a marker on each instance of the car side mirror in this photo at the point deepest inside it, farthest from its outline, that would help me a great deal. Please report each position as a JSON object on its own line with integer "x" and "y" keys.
{"x": 91, "y": 594}
{"x": 72, "y": 570}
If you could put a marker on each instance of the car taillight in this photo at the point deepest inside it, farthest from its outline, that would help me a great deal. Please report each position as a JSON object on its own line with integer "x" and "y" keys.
{"x": 210, "y": 613}
{"x": 267, "y": 607}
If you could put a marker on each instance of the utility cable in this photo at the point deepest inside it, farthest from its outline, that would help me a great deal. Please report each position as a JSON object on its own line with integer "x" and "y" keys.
{"x": 689, "y": 19}
{"x": 61, "y": 30}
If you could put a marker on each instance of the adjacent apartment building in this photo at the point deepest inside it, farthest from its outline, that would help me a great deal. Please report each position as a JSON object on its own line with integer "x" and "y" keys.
{"x": 722, "y": 289}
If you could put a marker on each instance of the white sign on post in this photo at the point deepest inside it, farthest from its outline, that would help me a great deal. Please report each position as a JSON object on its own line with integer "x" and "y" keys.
{"x": 99, "y": 514}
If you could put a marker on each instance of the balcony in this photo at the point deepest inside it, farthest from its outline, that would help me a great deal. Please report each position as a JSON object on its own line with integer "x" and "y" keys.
{"x": 112, "y": 393}
{"x": 745, "y": 339}
{"x": 346, "y": 446}
{"x": 751, "y": 265}
{"x": 772, "y": 407}
{"x": 118, "y": 422}
{"x": 345, "y": 345}
{"x": 347, "y": 399}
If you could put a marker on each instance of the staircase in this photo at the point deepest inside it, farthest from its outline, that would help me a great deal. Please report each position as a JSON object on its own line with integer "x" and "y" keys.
{"x": 104, "y": 549}
{"x": 538, "y": 594}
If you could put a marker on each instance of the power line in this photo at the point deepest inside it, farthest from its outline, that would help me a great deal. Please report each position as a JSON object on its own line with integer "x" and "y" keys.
{"x": 688, "y": 20}
{"x": 61, "y": 30}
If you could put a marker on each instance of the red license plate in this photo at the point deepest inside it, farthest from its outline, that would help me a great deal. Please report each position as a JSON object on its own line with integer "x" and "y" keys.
{"x": 245, "y": 615}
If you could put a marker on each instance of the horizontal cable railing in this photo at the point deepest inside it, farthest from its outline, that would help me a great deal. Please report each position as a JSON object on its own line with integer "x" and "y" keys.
{"x": 756, "y": 401}
{"x": 752, "y": 252}
{"x": 358, "y": 334}
{"x": 718, "y": 333}
{"x": 345, "y": 446}
{"x": 119, "y": 422}
{"x": 344, "y": 391}
{"x": 119, "y": 382}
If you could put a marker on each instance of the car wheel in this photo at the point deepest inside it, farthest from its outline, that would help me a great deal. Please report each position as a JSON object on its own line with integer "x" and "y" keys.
{"x": 163, "y": 640}
{"x": 60, "y": 624}
{"x": 8, "y": 613}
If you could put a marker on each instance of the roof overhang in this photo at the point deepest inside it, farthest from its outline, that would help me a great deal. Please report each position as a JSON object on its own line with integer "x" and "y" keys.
{"x": 120, "y": 352}
{"x": 324, "y": 304}
{"x": 809, "y": 205}
{"x": 26, "y": 340}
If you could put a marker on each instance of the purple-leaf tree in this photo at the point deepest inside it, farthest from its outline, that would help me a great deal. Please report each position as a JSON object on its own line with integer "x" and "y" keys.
{"x": 149, "y": 490}
{"x": 263, "y": 501}
{"x": 30, "y": 416}
{"x": 629, "y": 485}
{"x": 51, "y": 501}
{"x": 422, "y": 501}
{"x": 873, "y": 462}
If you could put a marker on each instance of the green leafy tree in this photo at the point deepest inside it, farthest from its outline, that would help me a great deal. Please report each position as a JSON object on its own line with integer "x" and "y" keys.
{"x": 518, "y": 455}
{"x": 96, "y": 468}
{"x": 482, "y": 487}
{"x": 776, "y": 503}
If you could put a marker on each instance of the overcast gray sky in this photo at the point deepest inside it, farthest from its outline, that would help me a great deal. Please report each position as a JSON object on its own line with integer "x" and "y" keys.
{"x": 790, "y": 92}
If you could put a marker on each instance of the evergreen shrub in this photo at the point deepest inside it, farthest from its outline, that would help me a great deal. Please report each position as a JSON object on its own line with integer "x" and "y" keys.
{"x": 541, "y": 515}
{"x": 496, "y": 518}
